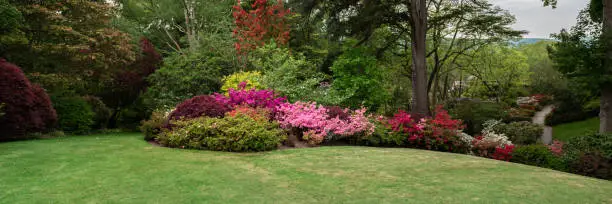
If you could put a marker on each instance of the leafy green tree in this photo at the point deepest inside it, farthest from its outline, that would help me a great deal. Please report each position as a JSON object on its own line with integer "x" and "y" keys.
{"x": 357, "y": 70}
{"x": 583, "y": 55}
{"x": 71, "y": 37}
{"x": 181, "y": 25}
{"x": 499, "y": 72}
{"x": 545, "y": 79}
{"x": 414, "y": 30}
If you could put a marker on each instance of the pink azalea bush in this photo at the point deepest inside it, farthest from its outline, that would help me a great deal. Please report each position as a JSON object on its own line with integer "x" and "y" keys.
{"x": 253, "y": 98}
{"x": 556, "y": 147}
{"x": 316, "y": 124}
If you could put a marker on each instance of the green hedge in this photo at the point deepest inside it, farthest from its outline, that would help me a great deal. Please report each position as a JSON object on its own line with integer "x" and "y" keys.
{"x": 238, "y": 133}
{"x": 75, "y": 115}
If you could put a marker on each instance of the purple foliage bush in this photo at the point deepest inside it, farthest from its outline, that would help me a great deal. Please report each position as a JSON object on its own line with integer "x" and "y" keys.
{"x": 199, "y": 106}
{"x": 27, "y": 107}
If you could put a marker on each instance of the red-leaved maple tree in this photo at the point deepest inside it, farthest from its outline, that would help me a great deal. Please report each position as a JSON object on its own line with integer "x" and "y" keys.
{"x": 264, "y": 21}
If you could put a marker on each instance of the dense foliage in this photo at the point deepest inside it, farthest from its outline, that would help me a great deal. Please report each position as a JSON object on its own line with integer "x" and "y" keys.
{"x": 26, "y": 107}
{"x": 251, "y": 80}
{"x": 75, "y": 115}
{"x": 238, "y": 133}
{"x": 199, "y": 106}
{"x": 475, "y": 113}
{"x": 154, "y": 126}
{"x": 185, "y": 76}
{"x": 522, "y": 133}
{"x": 537, "y": 155}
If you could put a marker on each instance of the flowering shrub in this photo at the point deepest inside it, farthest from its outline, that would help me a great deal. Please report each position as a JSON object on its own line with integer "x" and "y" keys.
{"x": 252, "y": 98}
{"x": 403, "y": 122}
{"x": 200, "y": 106}
{"x": 440, "y": 133}
{"x": 315, "y": 121}
{"x": 556, "y": 148}
{"x": 336, "y": 111}
{"x": 487, "y": 145}
{"x": 522, "y": 133}
{"x": 503, "y": 153}
{"x": 258, "y": 114}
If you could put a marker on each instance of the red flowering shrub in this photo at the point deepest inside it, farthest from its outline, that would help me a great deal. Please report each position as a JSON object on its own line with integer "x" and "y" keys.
{"x": 440, "y": 133}
{"x": 258, "y": 114}
{"x": 200, "y": 106}
{"x": 503, "y": 153}
{"x": 403, "y": 122}
{"x": 27, "y": 108}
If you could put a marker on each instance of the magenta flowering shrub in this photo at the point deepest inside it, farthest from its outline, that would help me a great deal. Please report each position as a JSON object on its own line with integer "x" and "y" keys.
{"x": 253, "y": 98}
{"x": 441, "y": 133}
{"x": 316, "y": 124}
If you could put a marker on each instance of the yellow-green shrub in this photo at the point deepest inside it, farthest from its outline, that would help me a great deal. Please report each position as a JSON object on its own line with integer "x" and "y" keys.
{"x": 252, "y": 79}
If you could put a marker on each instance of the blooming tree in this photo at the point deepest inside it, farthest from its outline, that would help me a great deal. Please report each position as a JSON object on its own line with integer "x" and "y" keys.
{"x": 264, "y": 21}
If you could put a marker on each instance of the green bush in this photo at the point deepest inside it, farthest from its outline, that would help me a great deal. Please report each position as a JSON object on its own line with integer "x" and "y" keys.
{"x": 291, "y": 75}
{"x": 537, "y": 155}
{"x": 590, "y": 155}
{"x": 185, "y": 76}
{"x": 383, "y": 136}
{"x": 475, "y": 113}
{"x": 592, "y": 142}
{"x": 75, "y": 116}
{"x": 357, "y": 70}
{"x": 154, "y": 126}
{"x": 238, "y": 133}
{"x": 102, "y": 113}
{"x": 520, "y": 132}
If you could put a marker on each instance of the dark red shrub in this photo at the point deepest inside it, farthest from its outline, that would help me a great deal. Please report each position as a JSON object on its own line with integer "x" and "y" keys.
{"x": 28, "y": 108}
{"x": 335, "y": 111}
{"x": 593, "y": 164}
{"x": 43, "y": 108}
{"x": 200, "y": 106}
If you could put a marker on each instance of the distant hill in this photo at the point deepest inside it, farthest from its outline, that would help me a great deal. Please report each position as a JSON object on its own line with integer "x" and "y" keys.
{"x": 530, "y": 41}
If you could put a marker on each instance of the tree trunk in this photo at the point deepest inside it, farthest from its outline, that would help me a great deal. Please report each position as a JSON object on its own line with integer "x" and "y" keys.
{"x": 605, "y": 114}
{"x": 418, "y": 17}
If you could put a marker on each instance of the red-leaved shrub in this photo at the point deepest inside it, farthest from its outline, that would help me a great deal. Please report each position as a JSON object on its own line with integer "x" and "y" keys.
{"x": 28, "y": 108}
{"x": 43, "y": 108}
{"x": 200, "y": 106}
{"x": 336, "y": 111}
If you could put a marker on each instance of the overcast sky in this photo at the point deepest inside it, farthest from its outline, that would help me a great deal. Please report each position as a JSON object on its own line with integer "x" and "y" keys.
{"x": 542, "y": 21}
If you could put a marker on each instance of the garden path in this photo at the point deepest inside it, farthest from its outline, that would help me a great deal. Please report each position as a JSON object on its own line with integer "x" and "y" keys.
{"x": 540, "y": 118}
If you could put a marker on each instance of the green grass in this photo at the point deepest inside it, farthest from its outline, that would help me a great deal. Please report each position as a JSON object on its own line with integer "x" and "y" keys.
{"x": 124, "y": 169}
{"x": 565, "y": 132}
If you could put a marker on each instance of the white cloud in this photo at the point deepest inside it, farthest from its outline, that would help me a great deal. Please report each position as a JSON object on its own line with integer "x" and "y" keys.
{"x": 542, "y": 21}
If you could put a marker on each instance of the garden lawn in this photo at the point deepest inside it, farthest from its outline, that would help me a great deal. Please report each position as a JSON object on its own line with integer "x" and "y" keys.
{"x": 565, "y": 132}
{"x": 122, "y": 168}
